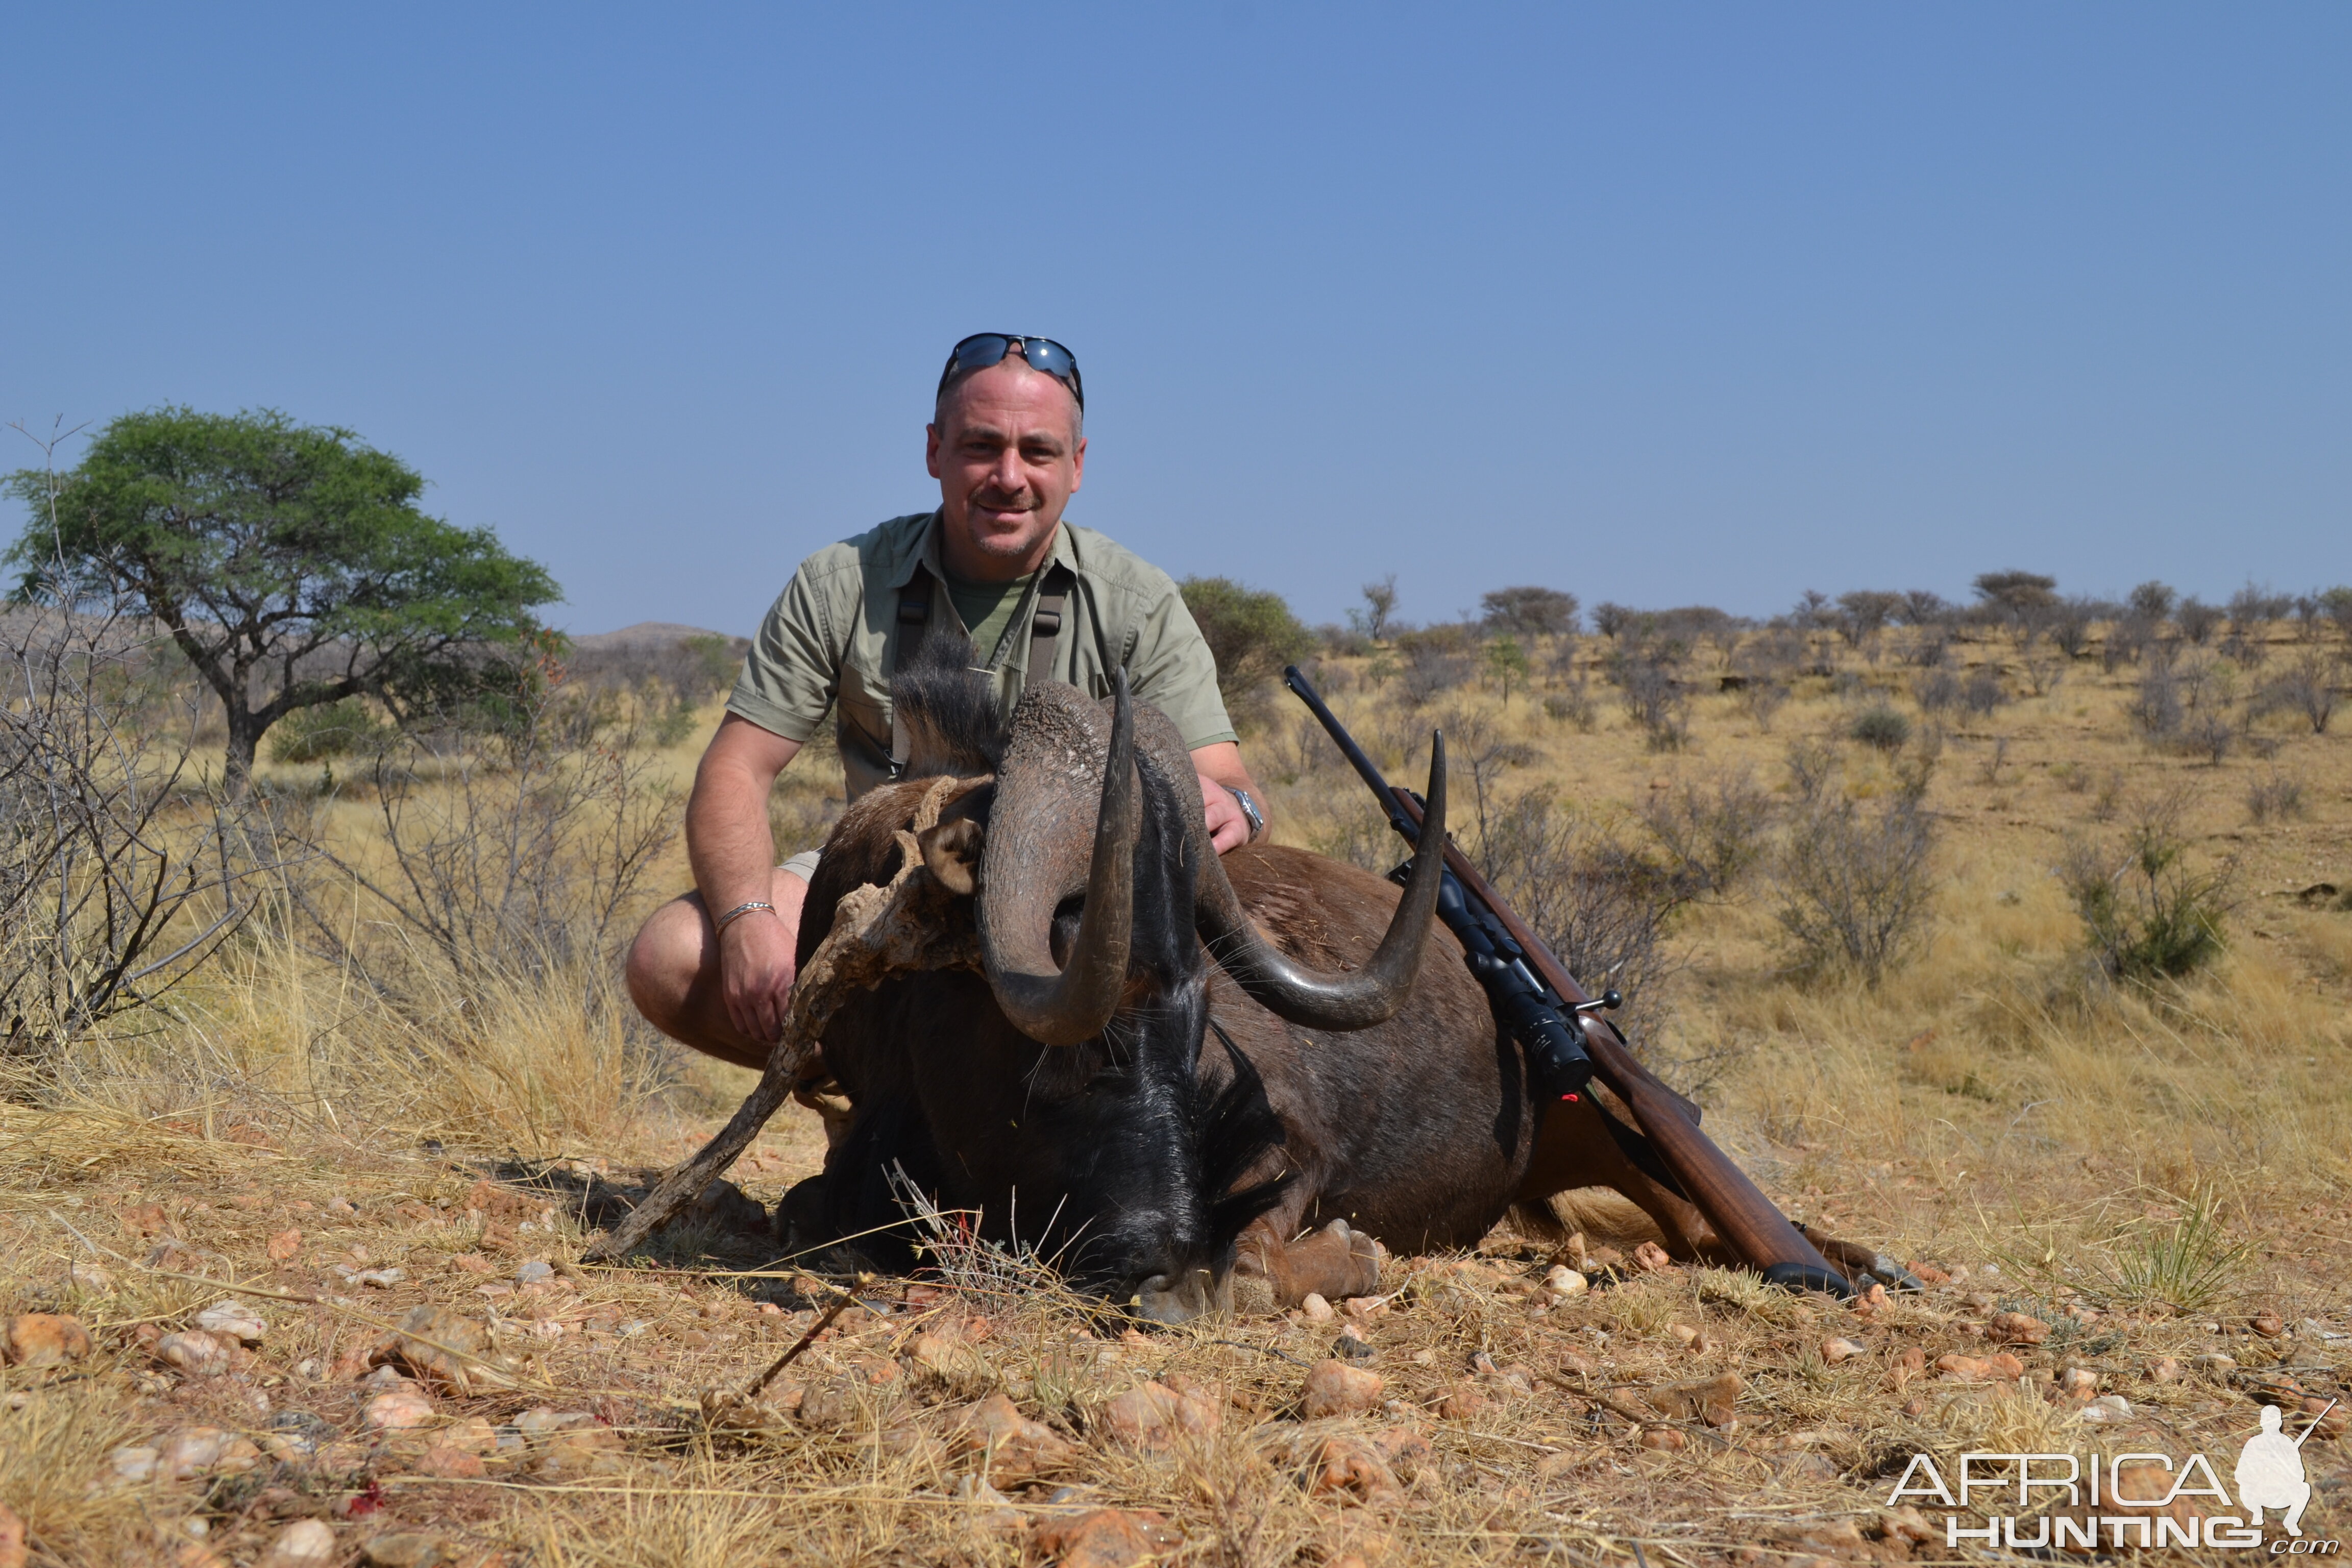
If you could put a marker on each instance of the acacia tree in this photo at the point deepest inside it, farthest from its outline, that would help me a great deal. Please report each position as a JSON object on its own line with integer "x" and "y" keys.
{"x": 2017, "y": 593}
{"x": 289, "y": 562}
{"x": 1529, "y": 611}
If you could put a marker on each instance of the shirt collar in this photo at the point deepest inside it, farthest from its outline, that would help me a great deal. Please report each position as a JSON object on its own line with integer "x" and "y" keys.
{"x": 929, "y": 558}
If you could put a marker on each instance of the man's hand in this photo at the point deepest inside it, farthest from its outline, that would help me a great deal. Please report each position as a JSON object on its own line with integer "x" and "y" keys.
{"x": 1228, "y": 828}
{"x": 755, "y": 966}
{"x": 1221, "y": 773}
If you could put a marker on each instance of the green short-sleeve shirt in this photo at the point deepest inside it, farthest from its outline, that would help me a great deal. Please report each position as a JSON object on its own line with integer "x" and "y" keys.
{"x": 831, "y": 641}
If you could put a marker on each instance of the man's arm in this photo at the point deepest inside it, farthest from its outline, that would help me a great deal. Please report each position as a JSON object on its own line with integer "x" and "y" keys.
{"x": 733, "y": 854}
{"x": 1221, "y": 771}
{"x": 1170, "y": 668}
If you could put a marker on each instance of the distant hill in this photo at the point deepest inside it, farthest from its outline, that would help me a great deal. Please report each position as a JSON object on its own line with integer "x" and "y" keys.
{"x": 694, "y": 663}
{"x": 646, "y": 635}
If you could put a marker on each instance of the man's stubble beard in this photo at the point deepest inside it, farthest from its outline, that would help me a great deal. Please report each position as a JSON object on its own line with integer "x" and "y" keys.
{"x": 1000, "y": 540}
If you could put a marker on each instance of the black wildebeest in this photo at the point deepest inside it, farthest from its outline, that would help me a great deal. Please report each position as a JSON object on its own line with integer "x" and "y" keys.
{"x": 1149, "y": 1061}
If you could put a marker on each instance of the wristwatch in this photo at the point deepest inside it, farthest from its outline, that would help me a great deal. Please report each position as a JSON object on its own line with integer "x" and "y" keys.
{"x": 1249, "y": 809}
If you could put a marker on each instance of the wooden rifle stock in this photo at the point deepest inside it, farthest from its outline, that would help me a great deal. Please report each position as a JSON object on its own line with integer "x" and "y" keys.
{"x": 1742, "y": 1215}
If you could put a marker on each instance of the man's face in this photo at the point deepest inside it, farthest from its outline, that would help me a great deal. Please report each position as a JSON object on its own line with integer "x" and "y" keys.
{"x": 1008, "y": 458}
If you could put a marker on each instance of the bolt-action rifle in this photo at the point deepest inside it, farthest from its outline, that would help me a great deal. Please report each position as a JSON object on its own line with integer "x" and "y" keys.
{"x": 1568, "y": 1045}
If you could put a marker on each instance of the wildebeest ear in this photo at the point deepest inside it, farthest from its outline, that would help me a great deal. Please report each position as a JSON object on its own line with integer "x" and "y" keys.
{"x": 951, "y": 853}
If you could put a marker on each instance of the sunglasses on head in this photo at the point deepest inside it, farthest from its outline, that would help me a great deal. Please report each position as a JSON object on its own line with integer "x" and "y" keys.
{"x": 981, "y": 350}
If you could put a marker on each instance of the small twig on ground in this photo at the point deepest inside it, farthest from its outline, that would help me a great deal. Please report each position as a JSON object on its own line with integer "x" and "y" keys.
{"x": 1639, "y": 1418}
{"x": 825, "y": 1321}
{"x": 1514, "y": 1442}
{"x": 1614, "y": 1406}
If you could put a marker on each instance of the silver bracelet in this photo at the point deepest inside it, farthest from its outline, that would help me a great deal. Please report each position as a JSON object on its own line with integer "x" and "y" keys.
{"x": 739, "y": 911}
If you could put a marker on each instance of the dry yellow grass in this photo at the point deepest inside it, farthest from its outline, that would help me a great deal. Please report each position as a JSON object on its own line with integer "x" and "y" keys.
{"x": 1989, "y": 1104}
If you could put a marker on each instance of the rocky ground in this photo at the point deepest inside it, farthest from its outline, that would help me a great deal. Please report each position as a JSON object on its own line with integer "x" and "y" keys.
{"x": 227, "y": 1346}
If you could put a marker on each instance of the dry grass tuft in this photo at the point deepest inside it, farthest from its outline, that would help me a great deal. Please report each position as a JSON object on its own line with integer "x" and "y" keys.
{"x": 54, "y": 1468}
{"x": 687, "y": 1527}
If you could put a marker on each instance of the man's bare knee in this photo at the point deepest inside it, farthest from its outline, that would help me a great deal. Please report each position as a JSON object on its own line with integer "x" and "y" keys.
{"x": 672, "y": 967}
{"x": 664, "y": 960}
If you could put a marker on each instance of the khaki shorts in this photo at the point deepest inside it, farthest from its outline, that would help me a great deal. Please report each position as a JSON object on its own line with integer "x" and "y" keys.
{"x": 802, "y": 865}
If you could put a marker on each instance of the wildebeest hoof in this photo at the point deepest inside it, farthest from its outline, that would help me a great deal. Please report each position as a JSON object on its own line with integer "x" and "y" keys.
{"x": 800, "y": 1216}
{"x": 1253, "y": 1295}
{"x": 1860, "y": 1264}
{"x": 1178, "y": 1299}
{"x": 1334, "y": 1263}
{"x": 1893, "y": 1275}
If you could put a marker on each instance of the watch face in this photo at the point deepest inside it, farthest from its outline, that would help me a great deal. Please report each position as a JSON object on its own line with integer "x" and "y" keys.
{"x": 1249, "y": 809}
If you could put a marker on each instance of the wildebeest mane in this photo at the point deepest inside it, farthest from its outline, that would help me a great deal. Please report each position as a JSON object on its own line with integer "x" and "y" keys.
{"x": 1237, "y": 1127}
{"x": 948, "y": 708}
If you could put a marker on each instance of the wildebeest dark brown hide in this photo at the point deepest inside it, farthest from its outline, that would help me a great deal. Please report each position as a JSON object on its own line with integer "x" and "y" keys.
{"x": 1420, "y": 1131}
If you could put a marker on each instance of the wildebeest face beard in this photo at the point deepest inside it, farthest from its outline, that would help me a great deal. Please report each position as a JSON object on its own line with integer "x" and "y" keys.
{"x": 1223, "y": 1117}
{"x": 1113, "y": 1126}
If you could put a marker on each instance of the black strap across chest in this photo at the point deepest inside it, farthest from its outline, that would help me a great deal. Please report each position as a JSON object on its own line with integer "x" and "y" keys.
{"x": 916, "y": 603}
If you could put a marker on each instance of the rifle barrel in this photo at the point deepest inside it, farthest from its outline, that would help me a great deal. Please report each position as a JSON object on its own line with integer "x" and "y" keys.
{"x": 1366, "y": 769}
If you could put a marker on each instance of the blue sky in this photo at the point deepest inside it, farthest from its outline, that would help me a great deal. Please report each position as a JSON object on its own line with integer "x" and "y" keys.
{"x": 1662, "y": 304}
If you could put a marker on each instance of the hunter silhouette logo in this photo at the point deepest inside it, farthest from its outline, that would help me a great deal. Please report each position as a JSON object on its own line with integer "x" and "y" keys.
{"x": 2109, "y": 1502}
{"x": 2270, "y": 1471}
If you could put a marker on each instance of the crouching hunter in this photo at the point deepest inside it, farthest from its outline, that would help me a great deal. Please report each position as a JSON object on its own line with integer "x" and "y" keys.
{"x": 1039, "y": 599}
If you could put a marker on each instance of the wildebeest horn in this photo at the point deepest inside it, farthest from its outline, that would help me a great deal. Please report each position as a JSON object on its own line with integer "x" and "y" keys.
{"x": 1026, "y": 873}
{"x": 1357, "y": 999}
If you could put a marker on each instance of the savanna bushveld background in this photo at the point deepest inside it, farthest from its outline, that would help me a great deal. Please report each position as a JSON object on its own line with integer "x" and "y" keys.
{"x": 2014, "y": 936}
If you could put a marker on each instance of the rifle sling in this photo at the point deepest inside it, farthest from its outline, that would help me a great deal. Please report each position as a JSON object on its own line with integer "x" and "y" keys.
{"x": 1636, "y": 1146}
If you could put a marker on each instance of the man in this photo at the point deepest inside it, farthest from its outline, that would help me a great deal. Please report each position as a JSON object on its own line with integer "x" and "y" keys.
{"x": 995, "y": 562}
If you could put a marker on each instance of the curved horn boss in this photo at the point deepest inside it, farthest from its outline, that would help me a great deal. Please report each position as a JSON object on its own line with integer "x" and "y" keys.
{"x": 1032, "y": 866}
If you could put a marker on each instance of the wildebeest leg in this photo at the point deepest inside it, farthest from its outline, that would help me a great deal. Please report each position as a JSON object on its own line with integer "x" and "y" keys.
{"x": 1334, "y": 1263}
{"x": 832, "y": 1106}
{"x": 885, "y": 1151}
{"x": 1861, "y": 1264}
{"x": 800, "y": 1224}
{"x": 853, "y": 1214}
{"x": 1575, "y": 1149}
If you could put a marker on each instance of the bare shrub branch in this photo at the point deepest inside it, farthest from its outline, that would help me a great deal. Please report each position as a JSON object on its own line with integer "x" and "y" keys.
{"x": 510, "y": 848}
{"x": 121, "y": 867}
{"x": 1602, "y": 906}
{"x": 1854, "y": 882}
{"x": 1712, "y": 831}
